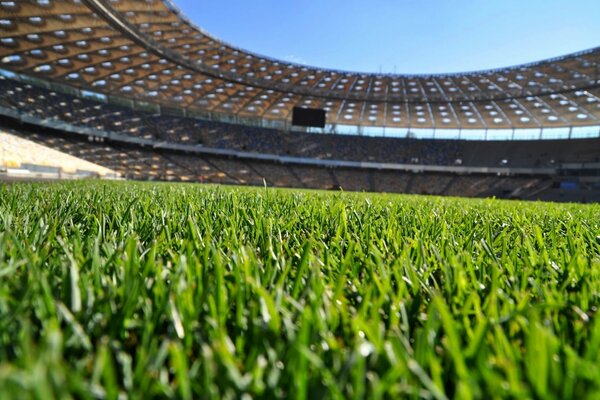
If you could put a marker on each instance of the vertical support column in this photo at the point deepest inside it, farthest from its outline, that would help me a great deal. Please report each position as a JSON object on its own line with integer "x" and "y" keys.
{"x": 570, "y": 132}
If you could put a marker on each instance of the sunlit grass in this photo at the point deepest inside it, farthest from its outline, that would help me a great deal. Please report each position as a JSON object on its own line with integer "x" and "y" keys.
{"x": 186, "y": 291}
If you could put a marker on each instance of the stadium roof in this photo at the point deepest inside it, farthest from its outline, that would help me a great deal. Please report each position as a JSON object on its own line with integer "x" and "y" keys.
{"x": 146, "y": 49}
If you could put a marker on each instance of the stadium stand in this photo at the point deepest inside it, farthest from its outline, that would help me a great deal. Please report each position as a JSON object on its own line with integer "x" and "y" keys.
{"x": 106, "y": 82}
{"x": 140, "y": 163}
{"x": 20, "y": 157}
{"x": 51, "y": 105}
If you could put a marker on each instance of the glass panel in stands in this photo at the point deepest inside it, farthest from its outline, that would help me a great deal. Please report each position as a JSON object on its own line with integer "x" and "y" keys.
{"x": 313, "y": 129}
{"x": 421, "y": 133}
{"x": 472, "y": 134}
{"x": 500, "y": 134}
{"x": 527, "y": 134}
{"x": 376, "y": 131}
{"x": 329, "y": 128}
{"x": 555, "y": 133}
{"x": 582, "y": 132}
{"x": 277, "y": 124}
{"x": 395, "y": 132}
{"x": 346, "y": 129}
{"x": 447, "y": 134}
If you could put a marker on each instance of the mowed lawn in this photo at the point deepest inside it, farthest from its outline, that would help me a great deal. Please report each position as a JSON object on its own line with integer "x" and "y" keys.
{"x": 146, "y": 291}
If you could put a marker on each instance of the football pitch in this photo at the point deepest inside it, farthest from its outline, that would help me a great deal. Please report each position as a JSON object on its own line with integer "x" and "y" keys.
{"x": 143, "y": 290}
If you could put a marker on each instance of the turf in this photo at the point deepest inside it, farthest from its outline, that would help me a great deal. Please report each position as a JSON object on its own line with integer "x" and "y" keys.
{"x": 183, "y": 291}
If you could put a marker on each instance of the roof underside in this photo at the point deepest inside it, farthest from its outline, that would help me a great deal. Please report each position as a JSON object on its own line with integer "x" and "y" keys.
{"x": 145, "y": 49}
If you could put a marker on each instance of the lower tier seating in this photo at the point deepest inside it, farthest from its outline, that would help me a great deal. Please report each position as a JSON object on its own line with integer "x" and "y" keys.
{"x": 143, "y": 163}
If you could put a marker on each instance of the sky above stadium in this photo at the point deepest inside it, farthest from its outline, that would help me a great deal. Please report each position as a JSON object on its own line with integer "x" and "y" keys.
{"x": 402, "y": 36}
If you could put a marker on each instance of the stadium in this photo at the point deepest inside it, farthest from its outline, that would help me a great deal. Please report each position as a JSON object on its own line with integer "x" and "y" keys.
{"x": 114, "y": 288}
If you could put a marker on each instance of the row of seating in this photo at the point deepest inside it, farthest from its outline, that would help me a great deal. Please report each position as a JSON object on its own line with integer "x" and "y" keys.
{"x": 50, "y": 104}
{"x": 138, "y": 163}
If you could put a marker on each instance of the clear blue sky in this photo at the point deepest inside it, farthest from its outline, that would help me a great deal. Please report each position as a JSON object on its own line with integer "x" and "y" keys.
{"x": 404, "y": 36}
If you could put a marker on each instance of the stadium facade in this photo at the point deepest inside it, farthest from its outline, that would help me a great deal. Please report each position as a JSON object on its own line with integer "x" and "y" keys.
{"x": 101, "y": 78}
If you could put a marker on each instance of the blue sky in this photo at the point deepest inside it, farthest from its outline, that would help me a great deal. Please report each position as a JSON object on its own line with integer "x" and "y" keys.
{"x": 403, "y": 36}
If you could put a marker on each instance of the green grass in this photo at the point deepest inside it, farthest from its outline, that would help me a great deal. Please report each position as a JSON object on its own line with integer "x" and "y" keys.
{"x": 186, "y": 291}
